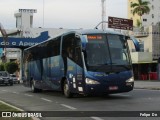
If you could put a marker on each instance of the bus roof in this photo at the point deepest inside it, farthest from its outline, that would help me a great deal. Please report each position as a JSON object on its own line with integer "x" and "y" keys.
{"x": 82, "y": 32}
{"x": 94, "y": 31}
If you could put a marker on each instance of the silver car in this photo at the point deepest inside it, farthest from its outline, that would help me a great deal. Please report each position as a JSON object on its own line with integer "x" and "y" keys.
{"x": 5, "y": 78}
{"x": 14, "y": 78}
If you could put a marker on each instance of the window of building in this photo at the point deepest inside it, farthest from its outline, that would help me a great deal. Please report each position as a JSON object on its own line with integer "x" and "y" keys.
{"x": 152, "y": 15}
{"x": 144, "y": 20}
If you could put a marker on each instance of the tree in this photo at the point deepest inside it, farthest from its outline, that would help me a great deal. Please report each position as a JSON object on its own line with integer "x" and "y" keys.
{"x": 138, "y": 23}
{"x": 11, "y": 67}
{"x": 1, "y": 67}
{"x": 140, "y": 8}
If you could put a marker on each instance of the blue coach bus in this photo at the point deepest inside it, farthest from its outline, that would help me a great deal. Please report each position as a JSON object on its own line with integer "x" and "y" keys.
{"x": 82, "y": 61}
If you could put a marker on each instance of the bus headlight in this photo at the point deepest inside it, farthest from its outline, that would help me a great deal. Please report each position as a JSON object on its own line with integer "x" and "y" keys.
{"x": 130, "y": 80}
{"x": 90, "y": 81}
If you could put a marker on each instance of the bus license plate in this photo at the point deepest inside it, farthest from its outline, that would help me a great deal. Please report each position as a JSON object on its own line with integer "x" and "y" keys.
{"x": 113, "y": 88}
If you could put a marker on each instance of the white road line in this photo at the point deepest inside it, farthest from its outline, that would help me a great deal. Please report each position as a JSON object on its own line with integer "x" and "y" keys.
{"x": 46, "y": 100}
{"x": 70, "y": 107}
{"x": 34, "y": 118}
{"x": 4, "y": 90}
{"x": 97, "y": 118}
{"x": 15, "y": 92}
{"x": 11, "y": 106}
{"x": 28, "y": 95}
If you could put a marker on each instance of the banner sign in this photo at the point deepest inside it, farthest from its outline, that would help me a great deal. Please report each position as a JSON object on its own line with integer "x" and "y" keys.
{"x": 13, "y": 42}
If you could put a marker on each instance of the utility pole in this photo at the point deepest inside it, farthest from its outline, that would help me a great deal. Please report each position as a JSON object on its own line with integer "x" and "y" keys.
{"x": 43, "y": 13}
{"x": 103, "y": 14}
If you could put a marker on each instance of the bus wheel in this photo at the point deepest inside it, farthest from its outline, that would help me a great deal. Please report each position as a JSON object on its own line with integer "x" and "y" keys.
{"x": 33, "y": 89}
{"x": 66, "y": 90}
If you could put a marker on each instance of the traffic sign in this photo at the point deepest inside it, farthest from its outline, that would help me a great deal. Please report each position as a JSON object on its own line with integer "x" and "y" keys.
{"x": 120, "y": 23}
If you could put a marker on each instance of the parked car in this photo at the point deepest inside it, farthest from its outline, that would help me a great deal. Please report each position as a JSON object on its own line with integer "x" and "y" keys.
{"x": 14, "y": 78}
{"x": 5, "y": 78}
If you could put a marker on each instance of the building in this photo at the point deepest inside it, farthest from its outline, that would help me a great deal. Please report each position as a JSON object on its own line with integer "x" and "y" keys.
{"x": 145, "y": 61}
{"x": 147, "y": 19}
{"x": 24, "y": 24}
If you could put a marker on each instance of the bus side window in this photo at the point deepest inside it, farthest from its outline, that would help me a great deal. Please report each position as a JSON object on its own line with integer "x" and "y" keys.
{"x": 71, "y": 48}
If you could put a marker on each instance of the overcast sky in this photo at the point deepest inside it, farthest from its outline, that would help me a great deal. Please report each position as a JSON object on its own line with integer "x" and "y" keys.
{"x": 62, "y": 13}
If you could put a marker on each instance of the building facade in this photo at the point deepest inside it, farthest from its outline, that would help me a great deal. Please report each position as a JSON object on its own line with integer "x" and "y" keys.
{"x": 145, "y": 60}
{"x": 152, "y": 18}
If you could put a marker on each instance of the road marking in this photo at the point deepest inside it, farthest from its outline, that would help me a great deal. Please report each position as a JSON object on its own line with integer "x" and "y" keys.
{"x": 34, "y": 118}
{"x": 15, "y": 92}
{"x": 46, "y": 100}
{"x": 97, "y": 118}
{"x": 11, "y": 106}
{"x": 28, "y": 95}
{"x": 70, "y": 107}
{"x": 149, "y": 98}
{"x": 4, "y": 90}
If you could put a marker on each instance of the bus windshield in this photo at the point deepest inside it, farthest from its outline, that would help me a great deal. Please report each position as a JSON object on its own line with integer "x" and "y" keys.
{"x": 107, "y": 51}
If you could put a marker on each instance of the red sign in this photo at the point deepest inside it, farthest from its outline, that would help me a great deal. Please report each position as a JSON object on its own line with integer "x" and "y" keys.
{"x": 120, "y": 23}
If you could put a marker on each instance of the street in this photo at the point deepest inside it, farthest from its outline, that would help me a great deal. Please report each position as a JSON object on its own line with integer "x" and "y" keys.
{"x": 136, "y": 100}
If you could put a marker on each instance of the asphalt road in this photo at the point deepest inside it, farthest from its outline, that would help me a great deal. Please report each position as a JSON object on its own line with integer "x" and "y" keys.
{"x": 138, "y": 100}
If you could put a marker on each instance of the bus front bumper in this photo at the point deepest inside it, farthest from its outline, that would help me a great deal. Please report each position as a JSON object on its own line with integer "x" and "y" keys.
{"x": 108, "y": 89}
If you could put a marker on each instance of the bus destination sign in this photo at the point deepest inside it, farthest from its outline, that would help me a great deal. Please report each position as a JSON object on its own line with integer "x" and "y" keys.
{"x": 120, "y": 23}
{"x": 94, "y": 37}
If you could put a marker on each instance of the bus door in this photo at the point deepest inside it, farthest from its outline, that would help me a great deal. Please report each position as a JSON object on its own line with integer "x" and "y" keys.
{"x": 79, "y": 66}
{"x": 73, "y": 70}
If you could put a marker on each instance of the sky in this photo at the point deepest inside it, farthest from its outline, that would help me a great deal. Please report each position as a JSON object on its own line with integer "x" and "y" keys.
{"x": 73, "y": 14}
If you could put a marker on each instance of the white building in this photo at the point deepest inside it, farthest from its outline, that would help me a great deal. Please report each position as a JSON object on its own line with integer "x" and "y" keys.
{"x": 24, "y": 23}
{"x": 154, "y": 15}
{"x": 147, "y": 19}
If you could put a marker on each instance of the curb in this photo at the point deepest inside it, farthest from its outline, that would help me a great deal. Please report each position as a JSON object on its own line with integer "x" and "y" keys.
{"x": 34, "y": 118}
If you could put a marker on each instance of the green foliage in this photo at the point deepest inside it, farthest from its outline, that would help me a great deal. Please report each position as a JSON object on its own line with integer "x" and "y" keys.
{"x": 1, "y": 67}
{"x": 11, "y": 67}
{"x": 140, "y": 8}
{"x": 139, "y": 23}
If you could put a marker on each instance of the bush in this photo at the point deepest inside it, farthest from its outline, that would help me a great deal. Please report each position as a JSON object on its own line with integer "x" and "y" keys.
{"x": 11, "y": 67}
{"x": 1, "y": 67}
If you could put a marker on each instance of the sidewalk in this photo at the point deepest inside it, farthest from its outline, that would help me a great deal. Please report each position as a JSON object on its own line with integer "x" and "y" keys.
{"x": 147, "y": 84}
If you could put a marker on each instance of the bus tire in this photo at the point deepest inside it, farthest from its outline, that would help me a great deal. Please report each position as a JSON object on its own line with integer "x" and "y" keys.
{"x": 66, "y": 90}
{"x": 33, "y": 88}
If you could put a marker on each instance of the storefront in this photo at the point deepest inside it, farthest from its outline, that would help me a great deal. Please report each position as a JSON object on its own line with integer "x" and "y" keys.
{"x": 145, "y": 71}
